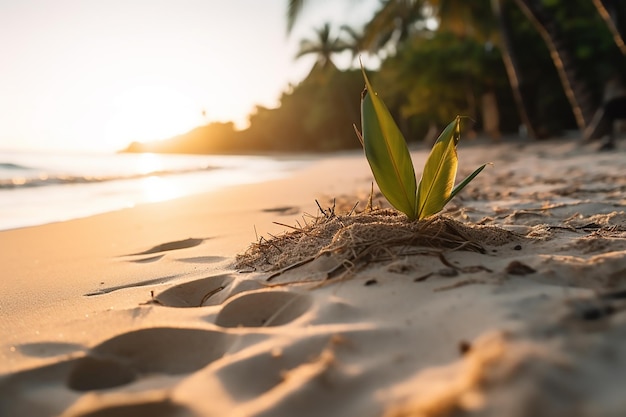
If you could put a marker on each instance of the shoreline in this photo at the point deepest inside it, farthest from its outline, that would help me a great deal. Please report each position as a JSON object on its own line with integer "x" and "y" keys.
{"x": 70, "y": 188}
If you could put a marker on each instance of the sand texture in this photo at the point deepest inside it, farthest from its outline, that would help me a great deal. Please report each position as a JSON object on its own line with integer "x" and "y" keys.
{"x": 250, "y": 301}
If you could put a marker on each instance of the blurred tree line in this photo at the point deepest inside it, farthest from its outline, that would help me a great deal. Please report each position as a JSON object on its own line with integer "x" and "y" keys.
{"x": 315, "y": 115}
{"x": 536, "y": 66}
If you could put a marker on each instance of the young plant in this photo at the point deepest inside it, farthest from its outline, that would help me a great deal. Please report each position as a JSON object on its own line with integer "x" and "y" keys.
{"x": 388, "y": 156}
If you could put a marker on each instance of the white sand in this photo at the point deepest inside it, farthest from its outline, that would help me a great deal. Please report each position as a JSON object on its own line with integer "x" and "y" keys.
{"x": 534, "y": 327}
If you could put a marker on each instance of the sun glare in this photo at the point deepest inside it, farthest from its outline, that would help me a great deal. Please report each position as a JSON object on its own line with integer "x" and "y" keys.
{"x": 156, "y": 185}
{"x": 155, "y": 189}
{"x": 149, "y": 112}
{"x": 149, "y": 162}
{"x": 95, "y": 76}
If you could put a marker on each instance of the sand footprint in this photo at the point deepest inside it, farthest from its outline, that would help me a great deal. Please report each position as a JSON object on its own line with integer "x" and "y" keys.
{"x": 156, "y": 251}
{"x": 125, "y": 358}
{"x": 50, "y": 389}
{"x": 163, "y": 408}
{"x": 196, "y": 293}
{"x": 48, "y": 349}
{"x": 283, "y": 210}
{"x": 267, "y": 366}
{"x": 264, "y": 308}
{"x": 169, "y": 246}
{"x": 202, "y": 259}
{"x": 156, "y": 281}
{"x": 205, "y": 292}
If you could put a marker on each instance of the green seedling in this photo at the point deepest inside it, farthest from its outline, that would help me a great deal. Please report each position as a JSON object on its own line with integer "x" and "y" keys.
{"x": 389, "y": 158}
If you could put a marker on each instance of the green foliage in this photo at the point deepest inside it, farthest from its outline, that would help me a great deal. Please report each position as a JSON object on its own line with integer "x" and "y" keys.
{"x": 389, "y": 158}
{"x": 315, "y": 115}
{"x": 439, "y": 172}
{"x": 431, "y": 78}
{"x": 387, "y": 153}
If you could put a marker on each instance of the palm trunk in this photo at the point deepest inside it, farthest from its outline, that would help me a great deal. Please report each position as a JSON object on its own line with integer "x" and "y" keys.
{"x": 575, "y": 88}
{"x": 491, "y": 114}
{"x": 516, "y": 79}
{"x": 615, "y": 19}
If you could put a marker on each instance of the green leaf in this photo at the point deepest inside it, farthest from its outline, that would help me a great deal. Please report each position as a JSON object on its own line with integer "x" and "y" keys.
{"x": 387, "y": 153}
{"x": 466, "y": 181}
{"x": 435, "y": 187}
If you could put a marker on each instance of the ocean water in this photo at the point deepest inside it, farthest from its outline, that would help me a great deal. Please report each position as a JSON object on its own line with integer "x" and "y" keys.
{"x": 39, "y": 188}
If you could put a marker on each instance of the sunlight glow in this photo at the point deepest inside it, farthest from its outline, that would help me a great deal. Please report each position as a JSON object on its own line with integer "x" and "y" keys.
{"x": 155, "y": 189}
{"x": 96, "y": 75}
{"x": 149, "y": 162}
{"x": 148, "y": 112}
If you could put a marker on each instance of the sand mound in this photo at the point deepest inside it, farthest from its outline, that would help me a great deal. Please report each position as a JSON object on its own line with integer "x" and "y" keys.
{"x": 354, "y": 240}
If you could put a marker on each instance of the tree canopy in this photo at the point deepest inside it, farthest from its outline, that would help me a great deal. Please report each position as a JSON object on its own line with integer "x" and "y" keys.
{"x": 544, "y": 65}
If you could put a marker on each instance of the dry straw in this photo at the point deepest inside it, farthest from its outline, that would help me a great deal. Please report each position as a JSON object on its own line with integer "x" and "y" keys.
{"x": 357, "y": 239}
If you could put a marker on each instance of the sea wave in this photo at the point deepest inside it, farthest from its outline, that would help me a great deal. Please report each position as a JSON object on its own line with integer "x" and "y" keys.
{"x": 17, "y": 182}
{"x": 13, "y": 166}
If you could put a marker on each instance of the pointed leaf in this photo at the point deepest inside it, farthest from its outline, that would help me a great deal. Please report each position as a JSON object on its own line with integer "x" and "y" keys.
{"x": 387, "y": 153}
{"x": 466, "y": 181}
{"x": 437, "y": 181}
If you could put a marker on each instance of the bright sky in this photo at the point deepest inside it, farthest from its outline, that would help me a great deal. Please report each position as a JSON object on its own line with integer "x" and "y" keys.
{"x": 98, "y": 74}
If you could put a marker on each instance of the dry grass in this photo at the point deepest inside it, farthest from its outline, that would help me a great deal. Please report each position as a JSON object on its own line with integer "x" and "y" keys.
{"x": 360, "y": 238}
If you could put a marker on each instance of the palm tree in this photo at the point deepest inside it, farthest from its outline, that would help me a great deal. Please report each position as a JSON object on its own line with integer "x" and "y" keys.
{"x": 392, "y": 24}
{"x": 294, "y": 9}
{"x": 323, "y": 46}
{"x": 614, "y": 15}
{"x": 394, "y": 21}
{"x": 476, "y": 21}
{"x": 466, "y": 19}
{"x": 355, "y": 40}
{"x": 513, "y": 71}
{"x": 576, "y": 89}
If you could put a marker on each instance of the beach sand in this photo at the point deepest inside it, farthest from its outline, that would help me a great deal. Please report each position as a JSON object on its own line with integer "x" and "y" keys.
{"x": 149, "y": 310}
